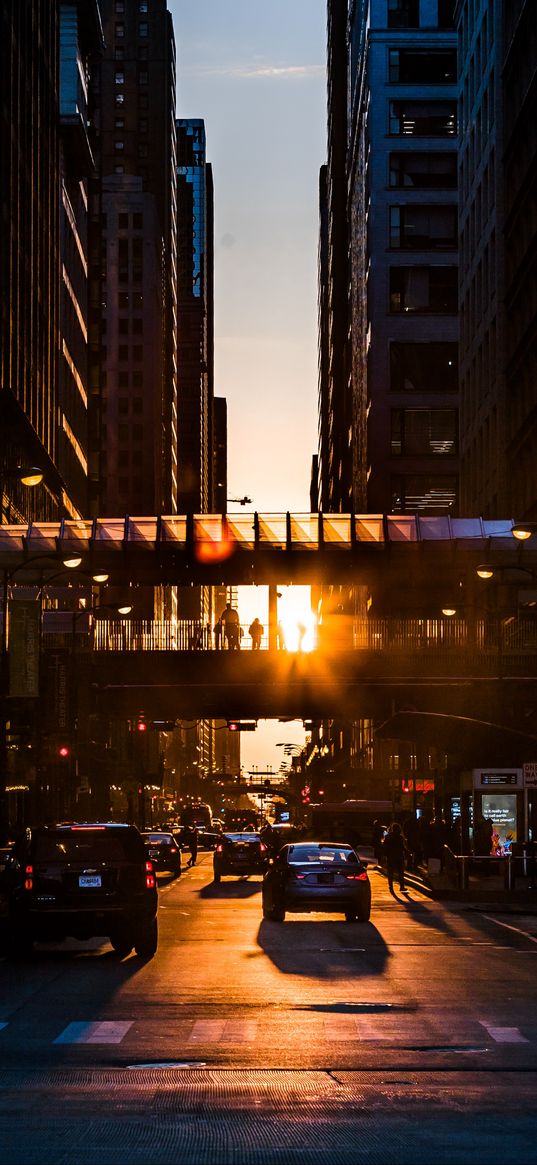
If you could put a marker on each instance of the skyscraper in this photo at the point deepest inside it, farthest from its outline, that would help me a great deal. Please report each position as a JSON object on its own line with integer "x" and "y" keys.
{"x": 134, "y": 264}
{"x": 195, "y": 318}
{"x": 402, "y": 170}
{"x": 46, "y": 158}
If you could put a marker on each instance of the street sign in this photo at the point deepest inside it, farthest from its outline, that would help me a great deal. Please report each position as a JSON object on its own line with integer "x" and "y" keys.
{"x": 530, "y": 774}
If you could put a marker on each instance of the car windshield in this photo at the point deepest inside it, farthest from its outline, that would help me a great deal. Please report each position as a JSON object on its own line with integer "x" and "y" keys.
{"x": 158, "y": 838}
{"x": 315, "y": 854}
{"x": 242, "y": 837}
{"x": 86, "y": 845}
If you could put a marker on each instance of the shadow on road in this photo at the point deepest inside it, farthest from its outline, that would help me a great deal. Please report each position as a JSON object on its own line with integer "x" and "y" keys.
{"x": 241, "y": 888}
{"x": 301, "y": 948}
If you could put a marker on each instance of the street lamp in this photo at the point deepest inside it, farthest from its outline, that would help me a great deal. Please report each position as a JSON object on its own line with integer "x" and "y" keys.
{"x": 524, "y": 530}
{"x": 29, "y": 476}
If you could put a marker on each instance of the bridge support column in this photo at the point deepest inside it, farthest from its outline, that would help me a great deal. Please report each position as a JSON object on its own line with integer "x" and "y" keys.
{"x": 273, "y": 618}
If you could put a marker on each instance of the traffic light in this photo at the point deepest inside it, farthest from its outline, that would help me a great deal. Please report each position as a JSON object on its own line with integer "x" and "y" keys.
{"x": 242, "y": 725}
{"x": 64, "y": 751}
{"x": 141, "y": 726}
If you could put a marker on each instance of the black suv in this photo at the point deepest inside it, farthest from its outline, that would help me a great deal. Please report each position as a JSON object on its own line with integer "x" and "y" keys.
{"x": 82, "y": 881}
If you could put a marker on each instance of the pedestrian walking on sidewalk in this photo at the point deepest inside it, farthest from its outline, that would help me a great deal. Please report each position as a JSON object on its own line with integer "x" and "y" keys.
{"x": 393, "y": 848}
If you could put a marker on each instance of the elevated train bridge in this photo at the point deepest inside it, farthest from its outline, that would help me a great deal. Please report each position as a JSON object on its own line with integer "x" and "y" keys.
{"x": 481, "y": 661}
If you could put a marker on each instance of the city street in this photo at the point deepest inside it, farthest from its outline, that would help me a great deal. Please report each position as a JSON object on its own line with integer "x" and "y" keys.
{"x": 408, "y": 1039}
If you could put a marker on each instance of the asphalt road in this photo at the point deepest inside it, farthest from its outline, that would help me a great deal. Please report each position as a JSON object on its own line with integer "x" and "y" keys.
{"x": 409, "y": 1039}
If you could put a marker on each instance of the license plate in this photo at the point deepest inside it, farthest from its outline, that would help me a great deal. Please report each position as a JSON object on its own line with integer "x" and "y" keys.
{"x": 153, "y": 853}
{"x": 89, "y": 880}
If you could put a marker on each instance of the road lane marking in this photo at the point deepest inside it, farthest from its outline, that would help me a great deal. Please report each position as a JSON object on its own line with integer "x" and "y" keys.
{"x": 105, "y": 1032}
{"x": 504, "y": 1035}
{"x": 206, "y": 1031}
{"x": 508, "y": 926}
{"x": 240, "y": 1031}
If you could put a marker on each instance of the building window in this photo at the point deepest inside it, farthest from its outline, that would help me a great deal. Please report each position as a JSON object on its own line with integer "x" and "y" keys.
{"x": 120, "y": 7}
{"x": 143, "y": 29}
{"x": 137, "y": 432}
{"x": 123, "y": 220}
{"x": 123, "y": 458}
{"x": 446, "y": 13}
{"x": 119, "y": 169}
{"x": 137, "y": 404}
{"x": 123, "y": 380}
{"x": 424, "y": 432}
{"x": 123, "y": 486}
{"x": 123, "y": 325}
{"x": 142, "y": 52}
{"x": 143, "y": 77}
{"x": 424, "y": 367}
{"x": 423, "y": 119}
{"x": 143, "y": 101}
{"x": 142, "y": 149}
{"x": 143, "y": 6}
{"x": 423, "y": 289}
{"x": 424, "y": 171}
{"x": 123, "y": 405}
{"x": 119, "y": 145}
{"x": 120, "y": 99}
{"x": 423, "y": 228}
{"x": 137, "y": 326}
{"x": 403, "y": 13}
{"x": 120, "y": 31}
{"x": 422, "y": 66}
{"x": 424, "y": 494}
{"x": 142, "y": 125}
{"x": 119, "y": 123}
{"x": 137, "y": 221}
{"x": 123, "y": 300}
{"x": 138, "y": 353}
{"x": 123, "y": 353}
{"x": 119, "y": 53}
{"x": 119, "y": 77}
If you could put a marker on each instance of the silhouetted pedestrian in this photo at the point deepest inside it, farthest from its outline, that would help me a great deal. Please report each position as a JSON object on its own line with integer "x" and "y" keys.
{"x": 218, "y": 632}
{"x": 394, "y": 849}
{"x": 256, "y": 631}
{"x": 232, "y": 628}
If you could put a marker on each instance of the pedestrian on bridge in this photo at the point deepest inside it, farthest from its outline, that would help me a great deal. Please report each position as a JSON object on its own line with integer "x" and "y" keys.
{"x": 256, "y": 630}
{"x": 231, "y": 624}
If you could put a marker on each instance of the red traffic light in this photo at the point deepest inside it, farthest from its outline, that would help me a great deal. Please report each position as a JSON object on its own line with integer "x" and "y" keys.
{"x": 141, "y": 726}
{"x": 242, "y": 725}
{"x": 63, "y": 751}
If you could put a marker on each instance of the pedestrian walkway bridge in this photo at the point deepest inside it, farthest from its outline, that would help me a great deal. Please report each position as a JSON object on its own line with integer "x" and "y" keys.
{"x": 242, "y": 549}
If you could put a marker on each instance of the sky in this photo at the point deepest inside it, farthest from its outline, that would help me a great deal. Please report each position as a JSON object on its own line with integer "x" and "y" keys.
{"x": 254, "y": 70}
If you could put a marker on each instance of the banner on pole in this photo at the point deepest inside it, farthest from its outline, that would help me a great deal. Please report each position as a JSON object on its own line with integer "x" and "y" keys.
{"x": 24, "y": 617}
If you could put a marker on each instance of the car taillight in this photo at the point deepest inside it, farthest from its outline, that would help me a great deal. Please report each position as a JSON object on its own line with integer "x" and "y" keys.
{"x": 299, "y": 876}
{"x": 173, "y": 849}
{"x": 356, "y": 877}
{"x": 262, "y": 847}
{"x": 29, "y": 878}
{"x": 220, "y": 849}
{"x": 149, "y": 876}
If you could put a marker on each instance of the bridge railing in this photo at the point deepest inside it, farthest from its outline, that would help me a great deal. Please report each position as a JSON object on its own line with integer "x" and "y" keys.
{"x": 494, "y": 648}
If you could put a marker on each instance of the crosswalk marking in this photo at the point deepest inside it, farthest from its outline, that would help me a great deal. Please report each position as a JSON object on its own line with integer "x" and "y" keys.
{"x": 504, "y": 1035}
{"x": 206, "y": 1031}
{"x": 105, "y": 1032}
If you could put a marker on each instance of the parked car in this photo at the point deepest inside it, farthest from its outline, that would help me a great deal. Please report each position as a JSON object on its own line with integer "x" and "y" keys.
{"x": 82, "y": 881}
{"x": 239, "y": 854}
{"x": 319, "y": 876}
{"x": 279, "y": 834}
{"x": 164, "y": 851}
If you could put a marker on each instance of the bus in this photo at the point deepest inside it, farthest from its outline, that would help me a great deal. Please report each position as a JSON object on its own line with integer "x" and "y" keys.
{"x": 198, "y": 814}
{"x": 348, "y": 821}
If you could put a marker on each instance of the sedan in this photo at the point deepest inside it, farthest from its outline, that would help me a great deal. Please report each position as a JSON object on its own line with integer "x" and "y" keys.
{"x": 164, "y": 851}
{"x": 240, "y": 854}
{"x": 319, "y": 876}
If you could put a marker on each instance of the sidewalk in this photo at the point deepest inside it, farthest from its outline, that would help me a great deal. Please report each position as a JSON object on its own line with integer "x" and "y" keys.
{"x": 481, "y": 890}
